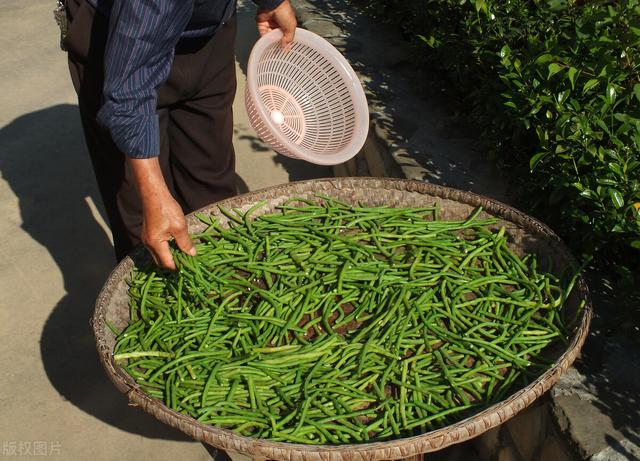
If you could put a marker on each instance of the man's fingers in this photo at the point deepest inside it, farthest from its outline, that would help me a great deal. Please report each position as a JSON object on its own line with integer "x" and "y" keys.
{"x": 286, "y": 19}
{"x": 162, "y": 255}
{"x": 184, "y": 241}
{"x": 287, "y": 38}
{"x": 263, "y": 27}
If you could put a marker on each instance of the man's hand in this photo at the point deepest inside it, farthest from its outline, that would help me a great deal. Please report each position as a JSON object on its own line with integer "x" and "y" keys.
{"x": 163, "y": 218}
{"x": 283, "y": 17}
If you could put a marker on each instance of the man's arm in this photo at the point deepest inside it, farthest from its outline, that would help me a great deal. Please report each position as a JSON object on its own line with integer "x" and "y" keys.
{"x": 138, "y": 58}
{"x": 163, "y": 218}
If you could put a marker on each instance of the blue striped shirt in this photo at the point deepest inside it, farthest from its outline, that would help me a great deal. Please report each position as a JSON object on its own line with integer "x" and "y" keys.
{"x": 138, "y": 56}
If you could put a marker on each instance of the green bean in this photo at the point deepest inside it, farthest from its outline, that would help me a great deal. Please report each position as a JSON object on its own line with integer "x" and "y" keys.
{"x": 133, "y": 355}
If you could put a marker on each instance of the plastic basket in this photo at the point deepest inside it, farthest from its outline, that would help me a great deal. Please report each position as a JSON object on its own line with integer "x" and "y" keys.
{"x": 307, "y": 102}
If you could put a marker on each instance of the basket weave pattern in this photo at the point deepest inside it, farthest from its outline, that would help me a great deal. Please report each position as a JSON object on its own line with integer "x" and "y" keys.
{"x": 526, "y": 235}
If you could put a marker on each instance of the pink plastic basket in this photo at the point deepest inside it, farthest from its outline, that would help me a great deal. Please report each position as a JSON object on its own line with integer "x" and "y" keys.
{"x": 307, "y": 102}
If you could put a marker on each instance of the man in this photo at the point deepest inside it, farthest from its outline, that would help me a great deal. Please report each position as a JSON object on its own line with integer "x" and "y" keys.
{"x": 156, "y": 82}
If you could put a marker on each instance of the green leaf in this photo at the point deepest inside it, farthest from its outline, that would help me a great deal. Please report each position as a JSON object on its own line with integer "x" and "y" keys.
{"x": 590, "y": 85}
{"x": 615, "y": 168}
{"x": 533, "y": 162}
{"x": 557, "y": 4}
{"x": 611, "y": 94}
{"x": 582, "y": 33}
{"x": 517, "y": 64}
{"x": 616, "y": 198}
{"x": 428, "y": 40}
{"x": 602, "y": 125}
{"x": 636, "y": 91}
{"x": 543, "y": 135}
{"x": 575, "y": 104}
{"x": 564, "y": 118}
{"x": 599, "y": 152}
{"x": 481, "y": 5}
{"x": 571, "y": 74}
{"x": 635, "y": 244}
{"x": 562, "y": 96}
{"x": 505, "y": 51}
{"x": 632, "y": 165}
{"x": 554, "y": 68}
{"x": 604, "y": 72}
{"x": 546, "y": 57}
{"x": 624, "y": 118}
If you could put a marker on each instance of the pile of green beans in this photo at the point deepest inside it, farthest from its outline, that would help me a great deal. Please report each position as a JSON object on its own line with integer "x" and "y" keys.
{"x": 325, "y": 322}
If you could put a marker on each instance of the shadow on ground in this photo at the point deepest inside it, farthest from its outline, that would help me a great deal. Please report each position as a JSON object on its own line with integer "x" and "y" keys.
{"x": 610, "y": 361}
{"x": 44, "y": 161}
{"x": 298, "y": 170}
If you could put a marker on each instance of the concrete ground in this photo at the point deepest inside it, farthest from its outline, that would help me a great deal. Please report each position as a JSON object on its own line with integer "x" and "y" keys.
{"x": 56, "y": 252}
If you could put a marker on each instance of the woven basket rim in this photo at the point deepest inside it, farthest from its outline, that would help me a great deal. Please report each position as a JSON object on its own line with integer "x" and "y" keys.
{"x": 437, "y": 439}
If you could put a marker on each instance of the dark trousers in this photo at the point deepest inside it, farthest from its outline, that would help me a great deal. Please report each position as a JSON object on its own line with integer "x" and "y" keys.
{"x": 196, "y": 122}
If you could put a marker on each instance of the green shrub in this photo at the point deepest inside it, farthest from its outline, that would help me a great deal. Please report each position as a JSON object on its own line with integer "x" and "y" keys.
{"x": 555, "y": 86}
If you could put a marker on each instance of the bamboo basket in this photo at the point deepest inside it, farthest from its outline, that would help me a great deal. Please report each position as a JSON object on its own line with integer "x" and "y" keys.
{"x": 526, "y": 235}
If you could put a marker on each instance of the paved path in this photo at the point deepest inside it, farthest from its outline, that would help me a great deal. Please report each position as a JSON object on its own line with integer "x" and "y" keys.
{"x": 55, "y": 253}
